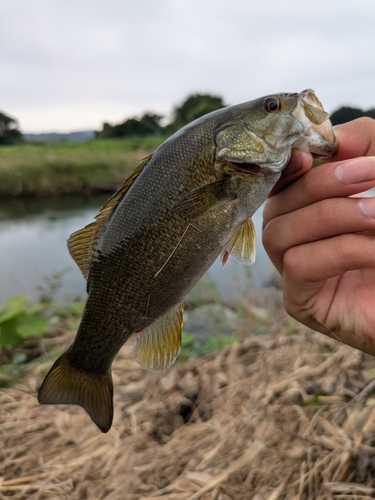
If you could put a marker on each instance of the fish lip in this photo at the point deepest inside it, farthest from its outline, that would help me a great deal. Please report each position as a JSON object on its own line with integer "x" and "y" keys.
{"x": 318, "y": 137}
{"x": 322, "y": 156}
{"x": 318, "y": 145}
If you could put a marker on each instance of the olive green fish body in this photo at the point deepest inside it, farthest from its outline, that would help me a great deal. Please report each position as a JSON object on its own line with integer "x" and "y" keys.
{"x": 191, "y": 201}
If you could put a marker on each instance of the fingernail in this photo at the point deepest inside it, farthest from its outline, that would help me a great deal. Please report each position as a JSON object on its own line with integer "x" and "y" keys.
{"x": 356, "y": 170}
{"x": 367, "y": 206}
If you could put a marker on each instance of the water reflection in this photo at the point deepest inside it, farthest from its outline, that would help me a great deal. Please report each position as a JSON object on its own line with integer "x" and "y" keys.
{"x": 33, "y": 236}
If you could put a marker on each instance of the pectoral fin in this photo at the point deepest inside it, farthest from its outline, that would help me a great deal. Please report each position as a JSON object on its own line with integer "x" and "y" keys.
{"x": 205, "y": 198}
{"x": 81, "y": 244}
{"x": 157, "y": 346}
{"x": 241, "y": 243}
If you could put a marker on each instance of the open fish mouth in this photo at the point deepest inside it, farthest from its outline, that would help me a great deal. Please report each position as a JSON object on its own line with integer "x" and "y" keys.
{"x": 319, "y": 138}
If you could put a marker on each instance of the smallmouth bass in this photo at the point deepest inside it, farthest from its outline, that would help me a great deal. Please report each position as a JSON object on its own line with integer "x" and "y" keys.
{"x": 183, "y": 206}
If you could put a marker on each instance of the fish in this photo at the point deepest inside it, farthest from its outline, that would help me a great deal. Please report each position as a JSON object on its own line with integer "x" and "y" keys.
{"x": 183, "y": 206}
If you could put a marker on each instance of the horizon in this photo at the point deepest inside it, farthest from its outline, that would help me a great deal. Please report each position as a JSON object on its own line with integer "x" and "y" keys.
{"x": 77, "y": 131}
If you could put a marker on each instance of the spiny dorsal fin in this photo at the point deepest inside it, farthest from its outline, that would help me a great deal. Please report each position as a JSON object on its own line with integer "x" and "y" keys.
{"x": 81, "y": 244}
{"x": 158, "y": 345}
{"x": 241, "y": 243}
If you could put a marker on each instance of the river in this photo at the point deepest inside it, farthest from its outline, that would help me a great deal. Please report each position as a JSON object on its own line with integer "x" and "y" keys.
{"x": 33, "y": 236}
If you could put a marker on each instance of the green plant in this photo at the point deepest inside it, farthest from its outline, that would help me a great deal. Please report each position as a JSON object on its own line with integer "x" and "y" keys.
{"x": 20, "y": 319}
{"x": 192, "y": 347}
{"x": 204, "y": 292}
{"x": 314, "y": 400}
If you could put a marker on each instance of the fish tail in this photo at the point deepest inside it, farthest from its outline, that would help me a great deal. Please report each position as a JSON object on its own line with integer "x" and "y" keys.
{"x": 66, "y": 384}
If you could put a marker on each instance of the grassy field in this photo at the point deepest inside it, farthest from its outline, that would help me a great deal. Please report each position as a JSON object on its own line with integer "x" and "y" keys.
{"x": 70, "y": 167}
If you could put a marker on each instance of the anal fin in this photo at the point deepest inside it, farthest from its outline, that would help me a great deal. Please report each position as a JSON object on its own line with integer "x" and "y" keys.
{"x": 157, "y": 346}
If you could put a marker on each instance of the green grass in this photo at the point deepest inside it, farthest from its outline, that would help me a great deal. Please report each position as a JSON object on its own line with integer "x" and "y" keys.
{"x": 191, "y": 347}
{"x": 53, "y": 169}
{"x": 24, "y": 323}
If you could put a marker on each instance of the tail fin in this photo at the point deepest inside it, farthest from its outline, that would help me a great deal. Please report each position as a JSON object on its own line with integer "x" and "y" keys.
{"x": 66, "y": 384}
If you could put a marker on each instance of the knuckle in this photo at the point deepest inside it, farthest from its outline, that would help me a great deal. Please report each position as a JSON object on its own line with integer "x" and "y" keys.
{"x": 270, "y": 238}
{"x": 291, "y": 263}
{"x": 268, "y": 211}
{"x": 348, "y": 250}
{"x": 325, "y": 212}
{"x": 366, "y": 121}
{"x": 289, "y": 307}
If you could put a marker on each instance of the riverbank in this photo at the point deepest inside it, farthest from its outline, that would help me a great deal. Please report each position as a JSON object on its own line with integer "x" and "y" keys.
{"x": 61, "y": 168}
{"x": 289, "y": 414}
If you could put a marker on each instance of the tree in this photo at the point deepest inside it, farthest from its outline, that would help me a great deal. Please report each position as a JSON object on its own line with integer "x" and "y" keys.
{"x": 347, "y": 114}
{"x": 194, "y": 106}
{"x": 9, "y": 133}
{"x": 148, "y": 124}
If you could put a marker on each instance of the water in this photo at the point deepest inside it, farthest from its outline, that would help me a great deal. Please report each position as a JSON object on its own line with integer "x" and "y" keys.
{"x": 33, "y": 236}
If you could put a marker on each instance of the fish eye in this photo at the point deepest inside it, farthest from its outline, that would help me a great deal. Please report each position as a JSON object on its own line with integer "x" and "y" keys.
{"x": 271, "y": 104}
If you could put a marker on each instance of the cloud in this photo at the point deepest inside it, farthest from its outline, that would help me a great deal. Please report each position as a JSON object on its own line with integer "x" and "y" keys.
{"x": 73, "y": 64}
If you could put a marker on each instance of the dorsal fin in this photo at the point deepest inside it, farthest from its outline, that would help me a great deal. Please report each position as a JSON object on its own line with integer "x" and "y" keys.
{"x": 81, "y": 244}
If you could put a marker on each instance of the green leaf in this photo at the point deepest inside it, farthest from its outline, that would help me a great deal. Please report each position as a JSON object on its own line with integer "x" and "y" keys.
{"x": 13, "y": 307}
{"x": 187, "y": 339}
{"x": 73, "y": 325}
{"x": 9, "y": 336}
{"x": 75, "y": 308}
{"x": 31, "y": 325}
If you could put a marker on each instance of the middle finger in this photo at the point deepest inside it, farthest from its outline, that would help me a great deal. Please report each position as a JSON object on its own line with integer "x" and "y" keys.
{"x": 321, "y": 220}
{"x": 325, "y": 181}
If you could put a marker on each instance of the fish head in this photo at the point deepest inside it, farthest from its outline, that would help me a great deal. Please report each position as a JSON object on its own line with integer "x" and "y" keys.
{"x": 260, "y": 134}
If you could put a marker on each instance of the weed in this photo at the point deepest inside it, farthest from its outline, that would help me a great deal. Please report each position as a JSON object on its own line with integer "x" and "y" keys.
{"x": 19, "y": 319}
{"x": 191, "y": 347}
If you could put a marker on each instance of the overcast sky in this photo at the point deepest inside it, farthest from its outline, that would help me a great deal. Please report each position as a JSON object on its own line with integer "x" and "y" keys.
{"x": 68, "y": 65}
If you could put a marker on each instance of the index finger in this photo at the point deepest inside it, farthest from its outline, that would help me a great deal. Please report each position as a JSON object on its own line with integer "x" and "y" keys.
{"x": 354, "y": 139}
{"x": 299, "y": 163}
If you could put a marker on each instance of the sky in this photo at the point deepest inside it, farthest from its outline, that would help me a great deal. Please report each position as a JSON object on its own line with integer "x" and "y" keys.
{"x": 70, "y": 65}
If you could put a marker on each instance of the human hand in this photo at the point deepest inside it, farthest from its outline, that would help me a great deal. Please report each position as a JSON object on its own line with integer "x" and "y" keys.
{"x": 322, "y": 240}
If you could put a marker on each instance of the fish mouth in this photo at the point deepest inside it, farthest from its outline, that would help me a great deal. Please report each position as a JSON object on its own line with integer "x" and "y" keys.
{"x": 318, "y": 137}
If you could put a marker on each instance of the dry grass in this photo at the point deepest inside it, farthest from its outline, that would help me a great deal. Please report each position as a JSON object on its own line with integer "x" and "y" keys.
{"x": 233, "y": 425}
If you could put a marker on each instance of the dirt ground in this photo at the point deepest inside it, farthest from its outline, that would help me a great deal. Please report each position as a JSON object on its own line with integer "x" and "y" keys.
{"x": 289, "y": 415}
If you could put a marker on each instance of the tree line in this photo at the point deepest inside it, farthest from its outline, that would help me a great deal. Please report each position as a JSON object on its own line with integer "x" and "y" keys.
{"x": 193, "y": 107}
{"x": 347, "y": 114}
{"x": 9, "y": 133}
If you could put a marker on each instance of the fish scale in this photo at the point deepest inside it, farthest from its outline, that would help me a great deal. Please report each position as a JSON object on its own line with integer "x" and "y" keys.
{"x": 182, "y": 207}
